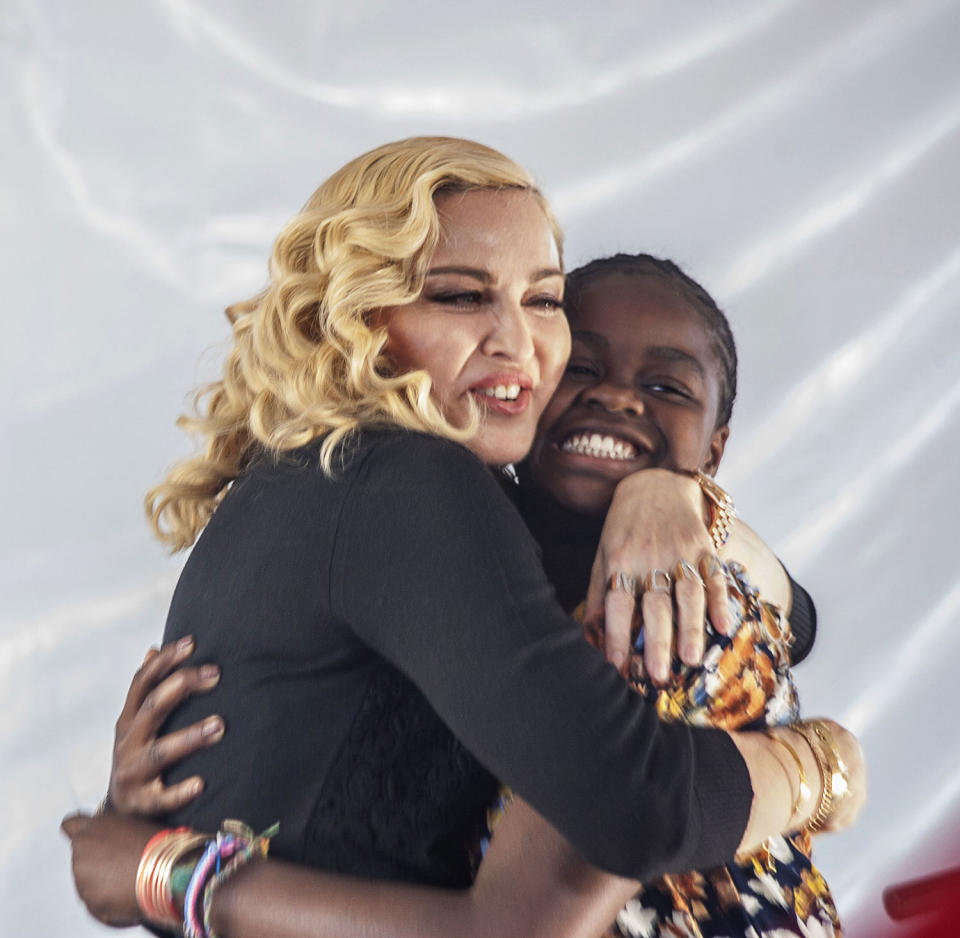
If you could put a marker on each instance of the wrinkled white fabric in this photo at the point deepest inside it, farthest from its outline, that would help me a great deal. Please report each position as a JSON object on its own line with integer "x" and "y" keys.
{"x": 797, "y": 157}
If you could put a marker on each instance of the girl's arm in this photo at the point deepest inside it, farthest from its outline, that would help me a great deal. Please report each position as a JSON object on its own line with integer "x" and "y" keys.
{"x": 531, "y": 883}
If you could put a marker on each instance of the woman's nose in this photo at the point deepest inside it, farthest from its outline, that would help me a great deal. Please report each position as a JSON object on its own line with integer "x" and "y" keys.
{"x": 510, "y": 334}
{"x": 614, "y": 398}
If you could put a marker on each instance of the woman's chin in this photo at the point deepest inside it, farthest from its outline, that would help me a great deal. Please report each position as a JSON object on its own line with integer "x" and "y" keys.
{"x": 499, "y": 449}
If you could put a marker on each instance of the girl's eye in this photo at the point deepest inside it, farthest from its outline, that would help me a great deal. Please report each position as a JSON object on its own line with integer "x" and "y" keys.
{"x": 663, "y": 387}
{"x": 583, "y": 370}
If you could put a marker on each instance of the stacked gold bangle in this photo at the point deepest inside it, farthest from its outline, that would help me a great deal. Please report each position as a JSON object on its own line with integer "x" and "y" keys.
{"x": 803, "y": 792}
{"x": 162, "y": 853}
{"x": 833, "y": 772}
{"x": 722, "y": 510}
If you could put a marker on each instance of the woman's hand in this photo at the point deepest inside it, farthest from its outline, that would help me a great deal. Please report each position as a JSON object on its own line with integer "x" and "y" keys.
{"x": 656, "y": 519}
{"x": 139, "y": 754}
{"x": 106, "y": 854}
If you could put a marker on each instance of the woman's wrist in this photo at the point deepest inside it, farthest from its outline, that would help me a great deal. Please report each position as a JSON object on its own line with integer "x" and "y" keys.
{"x": 719, "y": 509}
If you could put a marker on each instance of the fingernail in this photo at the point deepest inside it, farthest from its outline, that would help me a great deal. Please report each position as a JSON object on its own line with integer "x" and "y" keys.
{"x": 196, "y": 787}
{"x": 659, "y": 672}
{"x": 617, "y": 659}
{"x": 185, "y": 643}
{"x": 212, "y": 727}
{"x": 209, "y": 672}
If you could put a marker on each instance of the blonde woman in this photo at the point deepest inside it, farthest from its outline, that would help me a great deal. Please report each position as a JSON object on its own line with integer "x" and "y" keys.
{"x": 388, "y": 641}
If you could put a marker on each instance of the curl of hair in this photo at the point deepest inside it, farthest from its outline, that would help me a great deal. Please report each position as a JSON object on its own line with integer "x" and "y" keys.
{"x": 307, "y": 361}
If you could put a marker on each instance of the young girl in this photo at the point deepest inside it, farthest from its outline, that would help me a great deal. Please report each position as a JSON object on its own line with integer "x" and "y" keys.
{"x": 651, "y": 382}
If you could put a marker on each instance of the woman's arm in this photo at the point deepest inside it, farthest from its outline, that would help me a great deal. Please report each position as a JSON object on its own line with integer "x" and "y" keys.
{"x": 656, "y": 519}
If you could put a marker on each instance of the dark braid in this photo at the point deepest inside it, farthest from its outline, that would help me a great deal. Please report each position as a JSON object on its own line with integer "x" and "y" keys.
{"x": 713, "y": 318}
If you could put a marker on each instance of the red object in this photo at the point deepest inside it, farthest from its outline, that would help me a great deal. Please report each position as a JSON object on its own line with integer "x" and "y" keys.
{"x": 931, "y": 905}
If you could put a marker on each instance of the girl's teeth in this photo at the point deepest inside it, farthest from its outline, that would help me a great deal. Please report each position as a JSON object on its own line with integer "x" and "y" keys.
{"x": 600, "y": 447}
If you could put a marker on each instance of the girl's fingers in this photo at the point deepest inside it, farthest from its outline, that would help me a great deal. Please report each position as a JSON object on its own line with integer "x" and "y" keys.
{"x": 162, "y": 799}
{"x": 165, "y": 696}
{"x": 154, "y": 669}
{"x": 165, "y": 751}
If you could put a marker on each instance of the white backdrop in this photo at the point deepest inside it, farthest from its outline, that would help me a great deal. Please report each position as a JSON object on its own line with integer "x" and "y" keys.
{"x": 798, "y": 156}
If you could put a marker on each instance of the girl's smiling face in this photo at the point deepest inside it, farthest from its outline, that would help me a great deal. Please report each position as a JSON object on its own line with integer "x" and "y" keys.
{"x": 641, "y": 390}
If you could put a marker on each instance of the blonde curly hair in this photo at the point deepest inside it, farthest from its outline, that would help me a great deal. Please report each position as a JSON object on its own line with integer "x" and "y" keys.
{"x": 307, "y": 361}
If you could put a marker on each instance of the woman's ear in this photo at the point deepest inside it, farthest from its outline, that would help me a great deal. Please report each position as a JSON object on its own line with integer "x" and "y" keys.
{"x": 715, "y": 450}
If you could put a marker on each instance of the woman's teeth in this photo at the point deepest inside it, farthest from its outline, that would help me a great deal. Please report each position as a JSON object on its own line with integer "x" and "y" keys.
{"x": 502, "y": 392}
{"x": 601, "y": 447}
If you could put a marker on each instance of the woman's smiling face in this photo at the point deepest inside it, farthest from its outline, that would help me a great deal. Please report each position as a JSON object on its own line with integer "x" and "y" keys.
{"x": 489, "y": 325}
{"x": 642, "y": 389}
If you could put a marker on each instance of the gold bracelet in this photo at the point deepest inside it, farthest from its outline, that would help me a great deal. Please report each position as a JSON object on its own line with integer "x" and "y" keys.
{"x": 153, "y": 884}
{"x": 839, "y": 780}
{"x": 722, "y": 510}
{"x": 804, "y": 791}
{"x": 820, "y": 817}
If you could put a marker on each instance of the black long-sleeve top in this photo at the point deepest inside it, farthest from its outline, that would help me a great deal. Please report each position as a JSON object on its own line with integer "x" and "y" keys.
{"x": 390, "y": 645}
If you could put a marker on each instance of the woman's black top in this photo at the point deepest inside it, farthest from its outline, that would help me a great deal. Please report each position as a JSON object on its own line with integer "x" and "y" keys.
{"x": 390, "y": 645}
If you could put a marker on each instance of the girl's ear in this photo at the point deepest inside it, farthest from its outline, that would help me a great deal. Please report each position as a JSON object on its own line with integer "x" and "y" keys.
{"x": 715, "y": 451}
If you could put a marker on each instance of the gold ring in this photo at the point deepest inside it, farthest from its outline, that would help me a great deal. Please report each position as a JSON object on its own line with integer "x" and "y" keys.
{"x": 623, "y": 583}
{"x": 657, "y": 581}
{"x": 710, "y": 565}
{"x": 686, "y": 571}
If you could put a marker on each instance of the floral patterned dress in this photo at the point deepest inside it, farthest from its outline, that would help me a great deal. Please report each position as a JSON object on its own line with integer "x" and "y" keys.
{"x": 744, "y": 682}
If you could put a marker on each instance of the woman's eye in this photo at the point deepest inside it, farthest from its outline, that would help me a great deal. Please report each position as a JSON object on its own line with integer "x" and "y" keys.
{"x": 548, "y": 304}
{"x": 462, "y": 298}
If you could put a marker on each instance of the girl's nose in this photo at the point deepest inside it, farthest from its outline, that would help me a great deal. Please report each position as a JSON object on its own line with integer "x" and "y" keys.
{"x": 614, "y": 398}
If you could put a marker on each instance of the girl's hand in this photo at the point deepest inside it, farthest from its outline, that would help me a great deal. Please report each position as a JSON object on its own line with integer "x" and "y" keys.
{"x": 106, "y": 854}
{"x": 139, "y": 754}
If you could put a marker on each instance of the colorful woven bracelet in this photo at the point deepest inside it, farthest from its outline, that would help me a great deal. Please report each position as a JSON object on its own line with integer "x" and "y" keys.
{"x": 234, "y": 846}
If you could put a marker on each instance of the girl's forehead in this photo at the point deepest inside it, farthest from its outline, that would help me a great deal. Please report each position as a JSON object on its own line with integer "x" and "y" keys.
{"x": 623, "y": 306}
{"x": 629, "y": 317}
